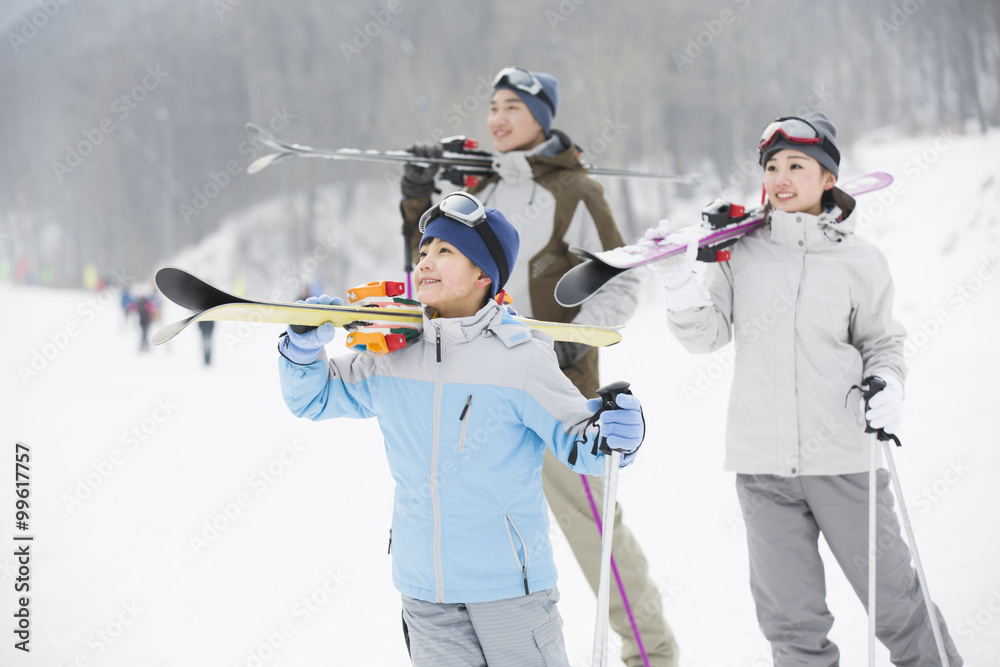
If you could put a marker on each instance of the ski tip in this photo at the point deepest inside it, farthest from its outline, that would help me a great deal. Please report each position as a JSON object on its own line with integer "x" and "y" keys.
{"x": 259, "y": 134}
{"x": 166, "y": 271}
{"x": 161, "y": 272}
{"x": 582, "y": 252}
{"x": 873, "y": 180}
{"x": 159, "y": 338}
{"x": 569, "y": 294}
{"x": 169, "y": 331}
{"x": 567, "y": 301}
{"x": 264, "y": 162}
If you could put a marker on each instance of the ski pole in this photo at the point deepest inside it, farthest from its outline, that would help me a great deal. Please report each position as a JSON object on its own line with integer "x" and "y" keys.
{"x": 600, "y": 654}
{"x": 614, "y": 572}
{"x": 408, "y": 260}
{"x": 935, "y": 628}
{"x": 871, "y": 386}
{"x": 612, "y": 461}
{"x": 872, "y": 543}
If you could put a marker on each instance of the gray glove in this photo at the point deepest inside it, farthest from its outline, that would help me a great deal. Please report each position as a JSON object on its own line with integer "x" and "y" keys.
{"x": 569, "y": 353}
{"x": 418, "y": 182}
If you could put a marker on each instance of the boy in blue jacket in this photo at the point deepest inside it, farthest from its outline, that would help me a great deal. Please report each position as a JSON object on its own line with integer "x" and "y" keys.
{"x": 467, "y": 411}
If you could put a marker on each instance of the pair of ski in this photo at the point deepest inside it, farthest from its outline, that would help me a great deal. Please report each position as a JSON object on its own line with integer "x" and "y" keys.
{"x": 213, "y": 304}
{"x": 460, "y": 159}
{"x": 598, "y": 268}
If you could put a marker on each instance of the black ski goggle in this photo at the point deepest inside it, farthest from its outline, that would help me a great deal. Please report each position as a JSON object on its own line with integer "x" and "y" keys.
{"x": 466, "y": 209}
{"x": 797, "y": 131}
{"x": 522, "y": 79}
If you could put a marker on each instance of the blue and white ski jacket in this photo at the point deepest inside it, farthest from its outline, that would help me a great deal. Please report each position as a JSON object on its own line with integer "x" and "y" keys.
{"x": 466, "y": 411}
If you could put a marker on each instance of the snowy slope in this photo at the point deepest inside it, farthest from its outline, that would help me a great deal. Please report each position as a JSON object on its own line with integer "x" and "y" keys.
{"x": 183, "y": 517}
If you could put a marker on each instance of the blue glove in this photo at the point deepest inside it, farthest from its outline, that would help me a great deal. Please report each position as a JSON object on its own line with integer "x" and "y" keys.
{"x": 306, "y": 347}
{"x": 624, "y": 428}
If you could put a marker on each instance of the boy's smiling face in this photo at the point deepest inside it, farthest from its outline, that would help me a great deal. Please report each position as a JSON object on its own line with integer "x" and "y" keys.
{"x": 448, "y": 281}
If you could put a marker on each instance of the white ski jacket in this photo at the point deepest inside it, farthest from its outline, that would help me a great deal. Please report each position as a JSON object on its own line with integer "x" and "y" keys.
{"x": 808, "y": 306}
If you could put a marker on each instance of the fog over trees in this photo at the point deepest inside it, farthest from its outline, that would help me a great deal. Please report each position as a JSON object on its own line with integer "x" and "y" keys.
{"x": 123, "y": 122}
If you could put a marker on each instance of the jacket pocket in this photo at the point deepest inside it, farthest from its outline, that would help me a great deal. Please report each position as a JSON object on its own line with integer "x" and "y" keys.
{"x": 464, "y": 418}
{"x": 521, "y": 565}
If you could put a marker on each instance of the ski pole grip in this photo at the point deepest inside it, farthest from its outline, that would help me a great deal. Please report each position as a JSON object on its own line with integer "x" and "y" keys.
{"x": 873, "y": 385}
{"x": 607, "y": 394}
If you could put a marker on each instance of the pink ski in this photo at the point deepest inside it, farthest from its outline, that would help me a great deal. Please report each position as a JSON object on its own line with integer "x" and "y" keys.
{"x": 583, "y": 280}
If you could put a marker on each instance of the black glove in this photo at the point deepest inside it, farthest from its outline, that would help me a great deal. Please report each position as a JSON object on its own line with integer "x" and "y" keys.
{"x": 418, "y": 182}
{"x": 569, "y": 353}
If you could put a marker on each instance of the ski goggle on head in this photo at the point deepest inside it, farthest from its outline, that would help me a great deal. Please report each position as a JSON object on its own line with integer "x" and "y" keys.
{"x": 466, "y": 209}
{"x": 797, "y": 131}
{"x": 522, "y": 79}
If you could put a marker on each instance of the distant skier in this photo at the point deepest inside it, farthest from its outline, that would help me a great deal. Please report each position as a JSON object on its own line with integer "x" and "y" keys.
{"x": 206, "y": 327}
{"x": 808, "y": 307}
{"x": 542, "y": 187}
{"x": 468, "y": 412}
{"x": 127, "y": 303}
{"x": 147, "y": 308}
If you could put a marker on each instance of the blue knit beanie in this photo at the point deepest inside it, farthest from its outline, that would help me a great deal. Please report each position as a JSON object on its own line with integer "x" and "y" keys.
{"x": 538, "y": 108}
{"x": 826, "y": 130}
{"x": 470, "y": 243}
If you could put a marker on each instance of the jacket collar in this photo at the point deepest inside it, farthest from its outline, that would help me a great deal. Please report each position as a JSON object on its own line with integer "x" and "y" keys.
{"x": 491, "y": 319}
{"x": 802, "y": 230}
{"x": 556, "y": 152}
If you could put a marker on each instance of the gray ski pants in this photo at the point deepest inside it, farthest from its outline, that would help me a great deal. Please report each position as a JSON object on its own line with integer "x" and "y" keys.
{"x": 784, "y": 517}
{"x": 524, "y": 631}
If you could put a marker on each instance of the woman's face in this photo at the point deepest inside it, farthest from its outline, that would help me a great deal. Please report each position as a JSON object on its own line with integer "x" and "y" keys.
{"x": 512, "y": 126}
{"x": 795, "y": 182}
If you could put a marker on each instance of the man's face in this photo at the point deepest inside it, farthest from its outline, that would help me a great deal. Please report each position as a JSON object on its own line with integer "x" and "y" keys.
{"x": 511, "y": 125}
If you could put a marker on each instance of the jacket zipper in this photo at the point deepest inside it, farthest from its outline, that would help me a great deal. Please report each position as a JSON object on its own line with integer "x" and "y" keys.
{"x": 509, "y": 523}
{"x": 435, "y": 497}
{"x": 465, "y": 424}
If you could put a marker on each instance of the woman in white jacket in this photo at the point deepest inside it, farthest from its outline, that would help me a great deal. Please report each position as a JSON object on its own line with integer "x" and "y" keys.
{"x": 808, "y": 306}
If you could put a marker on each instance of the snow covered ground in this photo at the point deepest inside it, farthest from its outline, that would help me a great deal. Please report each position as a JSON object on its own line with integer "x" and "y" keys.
{"x": 181, "y": 515}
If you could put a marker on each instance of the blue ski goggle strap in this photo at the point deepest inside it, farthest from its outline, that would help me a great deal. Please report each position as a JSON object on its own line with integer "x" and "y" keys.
{"x": 797, "y": 131}
{"x": 521, "y": 79}
{"x": 466, "y": 209}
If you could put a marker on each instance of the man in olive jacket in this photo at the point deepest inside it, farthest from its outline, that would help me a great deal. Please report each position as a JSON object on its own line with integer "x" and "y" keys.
{"x": 544, "y": 191}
